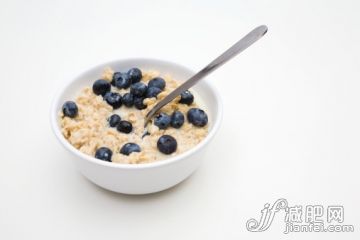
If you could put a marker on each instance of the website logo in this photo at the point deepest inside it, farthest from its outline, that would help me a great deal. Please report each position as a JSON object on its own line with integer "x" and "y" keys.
{"x": 298, "y": 218}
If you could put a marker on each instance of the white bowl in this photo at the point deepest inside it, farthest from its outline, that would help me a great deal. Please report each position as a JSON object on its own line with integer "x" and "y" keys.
{"x": 148, "y": 177}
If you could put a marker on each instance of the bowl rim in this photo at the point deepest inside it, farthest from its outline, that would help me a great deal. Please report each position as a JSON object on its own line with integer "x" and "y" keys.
{"x": 173, "y": 159}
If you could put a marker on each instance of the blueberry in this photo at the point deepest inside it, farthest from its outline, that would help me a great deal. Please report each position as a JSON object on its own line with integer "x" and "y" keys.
{"x": 167, "y": 144}
{"x": 128, "y": 99}
{"x": 70, "y": 109}
{"x": 114, "y": 120}
{"x": 113, "y": 99}
{"x": 197, "y": 117}
{"x": 124, "y": 127}
{"x": 162, "y": 120}
{"x": 177, "y": 119}
{"x": 121, "y": 80}
{"x": 152, "y": 92}
{"x": 100, "y": 87}
{"x": 135, "y": 75}
{"x": 128, "y": 148}
{"x": 186, "y": 97}
{"x": 138, "y": 89}
{"x": 139, "y": 103}
{"x": 104, "y": 154}
{"x": 157, "y": 82}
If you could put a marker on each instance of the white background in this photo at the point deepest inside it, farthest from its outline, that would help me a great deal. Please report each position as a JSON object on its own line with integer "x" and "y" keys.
{"x": 291, "y": 124}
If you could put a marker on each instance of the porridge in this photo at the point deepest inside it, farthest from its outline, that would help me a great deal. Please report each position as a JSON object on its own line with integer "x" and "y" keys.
{"x": 106, "y": 120}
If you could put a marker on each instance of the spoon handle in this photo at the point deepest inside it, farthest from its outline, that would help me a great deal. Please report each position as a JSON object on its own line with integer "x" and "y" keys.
{"x": 237, "y": 48}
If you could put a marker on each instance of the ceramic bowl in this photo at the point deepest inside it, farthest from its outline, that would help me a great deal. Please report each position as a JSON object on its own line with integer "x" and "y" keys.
{"x": 148, "y": 177}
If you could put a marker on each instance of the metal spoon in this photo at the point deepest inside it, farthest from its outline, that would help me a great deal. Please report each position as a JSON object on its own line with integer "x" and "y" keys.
{"x": 237, "y": 48}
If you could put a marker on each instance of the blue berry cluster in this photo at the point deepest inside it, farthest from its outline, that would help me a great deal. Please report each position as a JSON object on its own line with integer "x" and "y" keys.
{"x": 138, "y": 91}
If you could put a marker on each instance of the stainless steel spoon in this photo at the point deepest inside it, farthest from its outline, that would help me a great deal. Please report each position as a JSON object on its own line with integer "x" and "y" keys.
{"x": 237, "y": 48}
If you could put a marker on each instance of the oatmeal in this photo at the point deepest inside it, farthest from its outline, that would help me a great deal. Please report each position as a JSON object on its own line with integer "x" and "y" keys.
{"x": 107, "y": 120}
